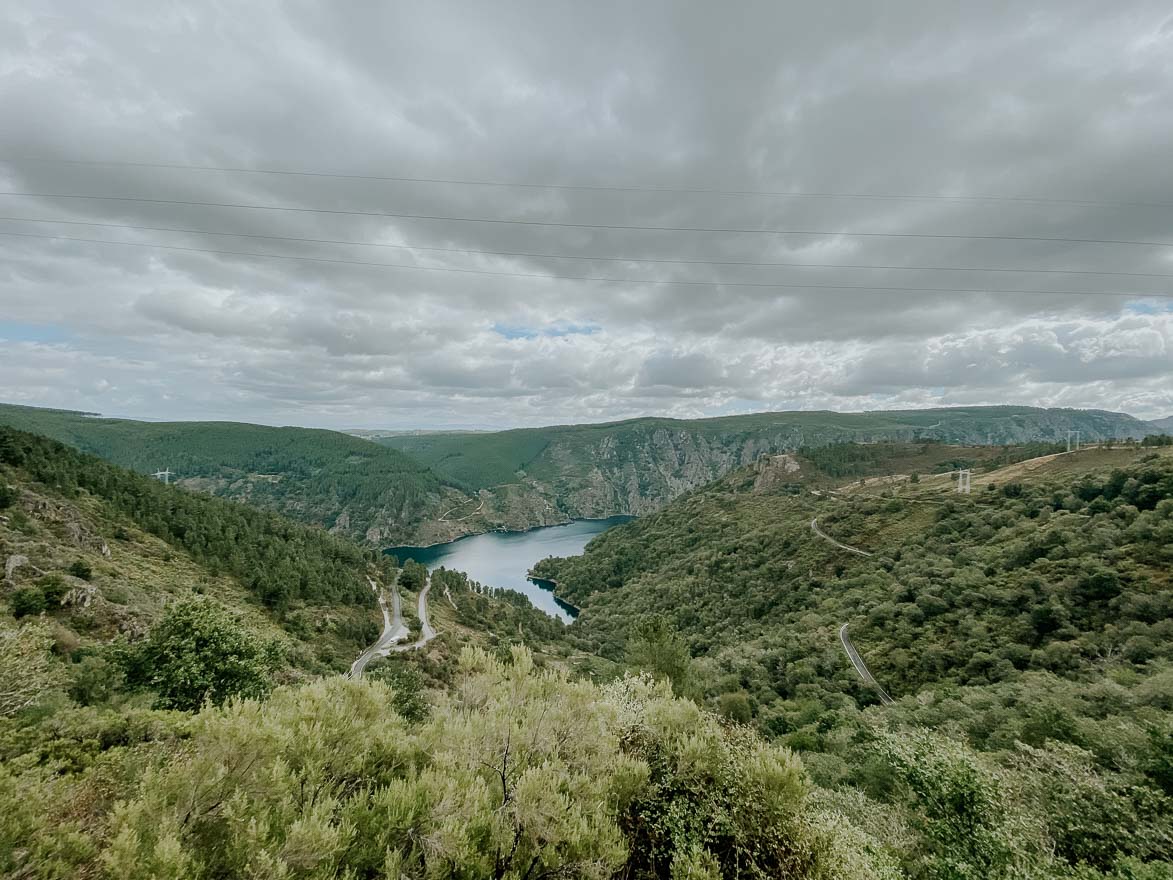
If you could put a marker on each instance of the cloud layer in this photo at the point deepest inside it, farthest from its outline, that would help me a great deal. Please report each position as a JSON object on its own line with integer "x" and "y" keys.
{"x": 1068, "y": 104}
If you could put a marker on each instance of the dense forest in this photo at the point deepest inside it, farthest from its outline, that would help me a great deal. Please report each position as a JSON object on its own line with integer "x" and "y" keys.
{"x": 1033, "y": 618}
{"x": 321, "y": 477}
{"x": 280, "y": 562}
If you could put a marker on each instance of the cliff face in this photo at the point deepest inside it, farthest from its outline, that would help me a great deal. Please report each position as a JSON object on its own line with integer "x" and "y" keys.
{"x": 637, "y": 467}
{"x": 640, "y": 471}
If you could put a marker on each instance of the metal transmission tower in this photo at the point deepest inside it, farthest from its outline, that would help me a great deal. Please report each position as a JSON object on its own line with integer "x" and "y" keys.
{"x": 1074, "y": 434}
{"x": 963, "y": 478}
{"x": 165, "y": 476}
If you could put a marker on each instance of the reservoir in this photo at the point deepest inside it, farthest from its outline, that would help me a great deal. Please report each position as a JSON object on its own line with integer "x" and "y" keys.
{"x": 501, "y": 559}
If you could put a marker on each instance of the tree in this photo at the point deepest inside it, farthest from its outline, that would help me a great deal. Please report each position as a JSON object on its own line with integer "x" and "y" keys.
{"x": 28, "y": 602}
{"x": 414, "y": 576}
{"x": 200, "y": 652}
{"x": 735, "y": 706}
{"x": 659, "y": 649}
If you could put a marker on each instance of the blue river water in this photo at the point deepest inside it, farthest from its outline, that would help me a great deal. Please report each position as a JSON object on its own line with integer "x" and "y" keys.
{"x": 501, "y": 559}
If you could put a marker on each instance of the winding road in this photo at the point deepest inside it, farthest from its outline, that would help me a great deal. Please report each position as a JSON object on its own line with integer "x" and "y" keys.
{"x": 861, "y": 667}
{"x": 394, "y": 629}
{"x": 815, "y": 528}
{"x": 852, "y": 653}
{"x": 426, "y": 631}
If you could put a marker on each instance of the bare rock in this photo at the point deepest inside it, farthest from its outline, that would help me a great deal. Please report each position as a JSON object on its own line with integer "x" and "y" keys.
{"x": 14, "y": 562}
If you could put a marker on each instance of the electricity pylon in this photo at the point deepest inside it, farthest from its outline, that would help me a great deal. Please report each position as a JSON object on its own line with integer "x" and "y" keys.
{"x": 963, "y": 478}
{"x": 1074, "y": 434}
{"x": 165, "y": 476}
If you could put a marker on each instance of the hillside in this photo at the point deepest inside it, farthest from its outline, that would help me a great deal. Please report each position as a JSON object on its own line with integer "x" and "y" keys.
{"x": 1036, "y": 611}
{"x": 424, "y": 488}
{"x": 1023, "y": 631}
{"x": 352, "y": 487}
{"x": 141, "y": 545}
{"x": 104, "y": 551}
{"x": 162, "y": 715}
{"x": 1165, "y": 425}
{"x": 544, "y": 475}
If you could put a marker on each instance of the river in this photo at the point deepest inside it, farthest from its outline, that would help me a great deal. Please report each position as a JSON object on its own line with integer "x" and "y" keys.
{"x": 501, "y": 559}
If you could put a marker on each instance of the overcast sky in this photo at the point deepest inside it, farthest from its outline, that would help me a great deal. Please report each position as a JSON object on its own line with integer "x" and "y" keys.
{"x": 1012, "y": 110}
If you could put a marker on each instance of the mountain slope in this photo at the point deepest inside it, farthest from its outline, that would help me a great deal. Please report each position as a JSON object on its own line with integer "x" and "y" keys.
{"x": 737, "y": 560}
{"x": 1165, "y": 425}
{"x": 1031, "y": 619}
{"x": 636, "y": 466}
{"x": 104, "y": 551}
{"x": 355, "y": 488}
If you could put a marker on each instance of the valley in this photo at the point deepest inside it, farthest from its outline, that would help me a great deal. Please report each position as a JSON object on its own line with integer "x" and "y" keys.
{"x": 841, "y": 611}
{"x": 423, "y": 489}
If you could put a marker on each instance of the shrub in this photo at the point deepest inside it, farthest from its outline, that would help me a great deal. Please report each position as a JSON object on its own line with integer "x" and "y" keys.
{"x": 81, "y": 569}
{"x": 201, "y": 652}
{"x": 736, "y": 707}
{"x": 54, "y": 588}
{"x": 27, "y": 601}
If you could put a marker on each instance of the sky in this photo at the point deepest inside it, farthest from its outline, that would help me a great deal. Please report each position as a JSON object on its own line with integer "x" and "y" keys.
{"x": 889, "y": 156}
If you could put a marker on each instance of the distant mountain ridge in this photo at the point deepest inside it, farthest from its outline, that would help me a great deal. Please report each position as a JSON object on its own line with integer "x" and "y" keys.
{"x": 1165, "y": 425}
{"x": 428, "y": 487}
{"x": 636, "y": 466}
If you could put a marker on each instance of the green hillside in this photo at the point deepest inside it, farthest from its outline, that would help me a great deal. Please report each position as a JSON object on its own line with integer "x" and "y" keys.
{"x": 163, "y": 715}
{"x": 480, "y": 459}
{"x": 104, "y": 551}
{"x": 535, "y": 476}
{"x": 359, "y": 489}
{"x": 1032, "y": 618}
{"x": 163, "y": 712}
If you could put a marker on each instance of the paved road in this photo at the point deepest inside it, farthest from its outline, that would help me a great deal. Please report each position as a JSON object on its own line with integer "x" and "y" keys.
{"x": 426, "y": 631}
{"x": 394, "y": 629}
{"x": 861, "y": 667}
{"x": 815, "y": 528}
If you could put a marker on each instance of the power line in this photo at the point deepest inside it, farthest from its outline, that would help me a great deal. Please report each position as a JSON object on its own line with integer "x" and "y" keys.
{"x": 590, "y": 187}
{"x": 588, "y": 258}
{"x": 605, "y": 280}
{"x": 563, "y": 225}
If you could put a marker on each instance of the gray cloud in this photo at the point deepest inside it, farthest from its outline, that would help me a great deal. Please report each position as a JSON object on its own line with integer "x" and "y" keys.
{"x": 1066, "y": 101}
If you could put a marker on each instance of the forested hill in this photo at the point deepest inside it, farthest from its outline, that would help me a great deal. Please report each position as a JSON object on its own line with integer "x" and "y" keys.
{"x": 637, "y": 466}
{"x": 1034, "y": 617}
{"x": 103, "y": 551}
{"x": 356, "y": 488}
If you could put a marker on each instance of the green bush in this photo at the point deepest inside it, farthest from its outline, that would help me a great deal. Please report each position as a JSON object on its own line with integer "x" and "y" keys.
{"x": 27, "y": 601}
{"x": 54, "y": 588}
{"x": 200, "y": 652}
{"x": 736, "y": 707}
{"x": 79, "y": 568}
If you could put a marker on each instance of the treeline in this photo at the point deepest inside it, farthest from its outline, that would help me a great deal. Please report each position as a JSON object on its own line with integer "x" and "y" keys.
{"x": 310, "y": 475}
{"x": 506, "y": 617}
{"x": 882, "y": 459}
{"x": 281, "y": 562}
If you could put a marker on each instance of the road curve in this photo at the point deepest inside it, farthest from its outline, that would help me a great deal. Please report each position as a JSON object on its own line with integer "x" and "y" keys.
{"x": 426, "y": 631}
{"x": 861, "y": 667}
{"x": 815, "y": 528}
{"x": 393, "y": 629}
